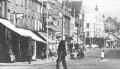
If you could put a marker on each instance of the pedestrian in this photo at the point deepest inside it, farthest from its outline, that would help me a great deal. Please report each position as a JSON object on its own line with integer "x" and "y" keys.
{"x": 79, "y": 53}
{"x": 29, "y": 54}
{"x": 71, "y": 51}
{"x": 50, "y": 53}
{"x": 11, "y": 55}
{"x": 61, "y": 55}
{"x": 82, "y": 53}
{"x": 71, "y": 47}
{"x": 102, "y": 54}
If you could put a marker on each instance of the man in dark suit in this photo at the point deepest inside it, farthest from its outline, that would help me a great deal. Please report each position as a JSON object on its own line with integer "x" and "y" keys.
{"x": 61, "y": 55}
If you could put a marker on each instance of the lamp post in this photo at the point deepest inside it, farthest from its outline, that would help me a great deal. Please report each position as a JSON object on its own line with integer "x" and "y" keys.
{"x": 63, "y": 20}
{"x": 104, "y": 31}
{"x": 47, "y": 34}
{"x": 96, "y": 30}
{"x": 83, "y": 30}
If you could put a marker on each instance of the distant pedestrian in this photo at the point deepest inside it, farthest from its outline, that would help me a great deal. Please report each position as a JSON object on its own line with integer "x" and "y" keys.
{"x": 71, "y": 47}
{"x": 11, "y": 55}
{"x": 29, "y": 54}
{"x": 82, "y": 53}
{"x": 79, "y": 53}
{"x": 102, "y": 54}
{"x": 61, "y": 55}
{"x": 50, "y": 53}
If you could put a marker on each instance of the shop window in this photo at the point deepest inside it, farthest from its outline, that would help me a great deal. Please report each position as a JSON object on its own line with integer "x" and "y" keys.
{"x": 38, "y": 9}
{"x": 80, "y": 25}
{"x": 8, "y": 10}
{"x": 17, "y": 2}
{"x": 32, "y": 17}
{"x": 25, "y": 4}
{"x": 10, "y": 0}
{"x": 41, "y": 9}
{"x": 12, "y": 18}
{"x": 25, "y": 16}
{"x": 0, "y": 8}
{"x": 0, "y": 3}
{"x": 40, "y": 26}
{"x": 22, "y": 3}
{"x": 88, "y": 25}
{"x": 87, "y": 33}
{"x": 2, "y": 33}
{"x": 29, "y": 16}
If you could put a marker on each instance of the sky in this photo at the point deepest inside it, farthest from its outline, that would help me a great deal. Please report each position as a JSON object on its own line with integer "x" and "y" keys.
{"x": 106, "y": 7}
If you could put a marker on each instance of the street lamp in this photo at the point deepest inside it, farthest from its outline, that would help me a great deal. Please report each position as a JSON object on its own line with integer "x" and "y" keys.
{"x": 95, "y": 28}
{"x": 104, "y": 30}
{"x": 83, "y": 30}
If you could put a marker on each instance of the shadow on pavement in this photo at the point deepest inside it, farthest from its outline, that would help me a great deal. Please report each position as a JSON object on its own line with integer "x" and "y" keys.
{"x": 113, "y": 54}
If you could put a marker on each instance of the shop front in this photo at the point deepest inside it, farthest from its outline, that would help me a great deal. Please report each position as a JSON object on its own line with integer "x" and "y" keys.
{"x": 42, "y": 47}
{"x": 3, "y": 52}
{"x": 15, "y": 41}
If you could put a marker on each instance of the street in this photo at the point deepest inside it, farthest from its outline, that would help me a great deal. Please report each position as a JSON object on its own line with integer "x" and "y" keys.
{"x": 34, "y": 33}
{"x": 91, "y": 61}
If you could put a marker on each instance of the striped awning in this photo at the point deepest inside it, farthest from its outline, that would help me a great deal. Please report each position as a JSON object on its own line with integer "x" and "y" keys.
{"x": 49, "y": 39}
{"x": 111, "y": 37}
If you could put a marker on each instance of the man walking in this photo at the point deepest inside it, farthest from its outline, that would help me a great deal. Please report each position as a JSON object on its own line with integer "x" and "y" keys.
{"x": 61, "y": 55}
{"x": 29, "y": 54}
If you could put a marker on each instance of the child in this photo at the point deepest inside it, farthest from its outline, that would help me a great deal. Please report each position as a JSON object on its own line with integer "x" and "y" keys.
{"x": 102, "y": 54}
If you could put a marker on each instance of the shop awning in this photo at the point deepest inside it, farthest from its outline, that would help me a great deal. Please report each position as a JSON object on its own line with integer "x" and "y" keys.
{"x": 20, "y": 31}
{"x": 44, "y": 35}
{"x": 53, "y": 40}
{"x": 111, "y": 37}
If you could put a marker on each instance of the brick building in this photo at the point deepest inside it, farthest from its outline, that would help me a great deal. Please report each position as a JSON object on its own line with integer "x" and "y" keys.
{"x": 31, "y": 16}
{"x": 22, "y": 16}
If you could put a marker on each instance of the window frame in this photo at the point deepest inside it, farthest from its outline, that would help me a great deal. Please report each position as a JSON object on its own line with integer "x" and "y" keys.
{"x": 88, "y": 25}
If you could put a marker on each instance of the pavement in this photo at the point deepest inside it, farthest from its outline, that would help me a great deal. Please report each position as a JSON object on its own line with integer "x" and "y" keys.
{"x": 88, "y": 53}
{"x": 111, "y": 61}
{"x": 34, "y": 62}
{"x": 113, "y": 54}
{"x": 40, "y": 61}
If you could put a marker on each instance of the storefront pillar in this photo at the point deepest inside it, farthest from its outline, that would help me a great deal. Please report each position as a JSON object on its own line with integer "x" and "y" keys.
{"x": 66, "y": 46}
{"x": 3, "y": 9}
{"x": 34, "y": 51}
{"x": 19, "y": 46}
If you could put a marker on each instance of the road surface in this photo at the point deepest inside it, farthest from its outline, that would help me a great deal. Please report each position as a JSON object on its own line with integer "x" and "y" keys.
{"x": 91, "y": 61}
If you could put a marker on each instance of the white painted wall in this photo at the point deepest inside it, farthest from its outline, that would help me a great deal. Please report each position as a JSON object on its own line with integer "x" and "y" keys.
{"x": 96, "y": 26}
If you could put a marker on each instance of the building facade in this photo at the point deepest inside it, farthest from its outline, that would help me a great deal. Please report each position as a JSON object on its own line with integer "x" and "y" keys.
{"x": 23, "y": 14}
{"x": 32, "y": 16}
{"x": 94, "y": 29}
